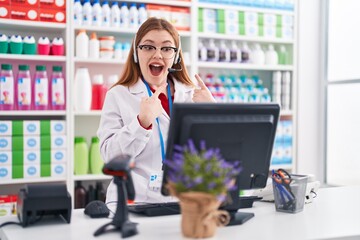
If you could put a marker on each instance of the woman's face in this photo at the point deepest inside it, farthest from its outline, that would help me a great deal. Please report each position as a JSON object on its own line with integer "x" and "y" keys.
{"x": 154, "y": 63}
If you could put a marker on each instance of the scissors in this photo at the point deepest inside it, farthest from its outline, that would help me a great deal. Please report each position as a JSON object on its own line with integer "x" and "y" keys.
{"x": 282, "y": 182}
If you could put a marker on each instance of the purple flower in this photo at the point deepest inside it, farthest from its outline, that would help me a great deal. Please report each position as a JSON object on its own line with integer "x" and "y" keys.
{"x": 192, "y": 147}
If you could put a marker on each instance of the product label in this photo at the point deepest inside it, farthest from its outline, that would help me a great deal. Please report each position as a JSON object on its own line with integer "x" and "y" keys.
{"x": 24, "y": 91}
{"x": 41, "y": 92}
{"x": 6, "y": 90}
{"x": 57, "y": 91}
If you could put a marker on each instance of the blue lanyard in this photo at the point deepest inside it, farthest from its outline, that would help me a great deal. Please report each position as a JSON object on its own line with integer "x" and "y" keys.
{"x": 162, "y": 144}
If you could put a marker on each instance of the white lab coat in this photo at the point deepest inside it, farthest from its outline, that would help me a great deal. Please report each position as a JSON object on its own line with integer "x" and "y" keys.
{"x": 120, "y": 132}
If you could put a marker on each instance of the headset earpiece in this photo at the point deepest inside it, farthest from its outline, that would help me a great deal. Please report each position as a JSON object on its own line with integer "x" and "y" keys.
{"x": 134, "y": 48}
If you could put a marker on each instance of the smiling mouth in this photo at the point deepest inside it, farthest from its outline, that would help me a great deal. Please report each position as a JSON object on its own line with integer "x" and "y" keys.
{"x": 156, "y": 69}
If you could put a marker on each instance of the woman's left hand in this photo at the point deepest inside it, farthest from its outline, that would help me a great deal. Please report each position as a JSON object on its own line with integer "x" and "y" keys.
{"x": 202, "y": 94}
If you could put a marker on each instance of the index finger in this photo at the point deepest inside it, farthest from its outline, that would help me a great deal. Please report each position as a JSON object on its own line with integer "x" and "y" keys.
{"x": 200, "y": 81}
{"x": 159, "y": 90}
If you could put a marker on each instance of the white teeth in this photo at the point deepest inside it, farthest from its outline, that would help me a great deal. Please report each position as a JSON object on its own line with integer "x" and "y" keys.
{"x": 155, "y": 65}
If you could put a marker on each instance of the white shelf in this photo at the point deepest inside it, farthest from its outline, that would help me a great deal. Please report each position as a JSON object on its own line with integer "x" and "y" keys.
{"x": 286, "y": 113}
{"x": 244, "y": 38}
{"x": 10, "y": 24}
{"x": 33, "y": 113}
{"x": 99, "y": 61}
{"x": 178, "y": 3}
{"x": 34, "y": 180}
{"x": 42, "y": 58}
{"x": 91, "y": 177}
{"x": 88, "y": 113}
{"x": 244, "y": 66}
{"x": 283, "y": 166}
{"x": 244, "y": 8}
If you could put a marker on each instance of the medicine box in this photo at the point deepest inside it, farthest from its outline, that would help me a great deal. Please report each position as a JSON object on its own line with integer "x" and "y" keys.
{"x": 8, "y": 205}
{"x": 180, "y": 18}
{"x": 52, "y": 4}
{"x": 247, "y": 17}
{"x": 206, "y": 14}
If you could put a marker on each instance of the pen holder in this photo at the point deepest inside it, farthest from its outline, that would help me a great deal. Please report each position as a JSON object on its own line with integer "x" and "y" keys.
{"x": 289, "y": 195}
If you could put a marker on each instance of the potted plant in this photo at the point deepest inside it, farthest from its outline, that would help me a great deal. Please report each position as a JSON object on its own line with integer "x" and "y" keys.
{"x": 200, "y": 179}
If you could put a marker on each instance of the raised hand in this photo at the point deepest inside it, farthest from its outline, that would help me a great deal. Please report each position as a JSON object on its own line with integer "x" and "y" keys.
{"x": 150, "y": 107}
{"x": 202, "y": 93}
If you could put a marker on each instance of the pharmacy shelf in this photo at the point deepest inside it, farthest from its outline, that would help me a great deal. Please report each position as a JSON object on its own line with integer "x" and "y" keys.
{"x": 88, "y": 113}
{"x": 244, "y": 38}
{"x": 42, "y": 58}
{"x": 33, "y": 113}
{"x": 91, "y": 177}
{"x": 244, "y": 66}
{"x": 7, "y": 24}
{"x": 31, "y": 180}
{"x": 244, "y": 8}
{"x": 99, "y": 61}
{"x": 178, "y": 3}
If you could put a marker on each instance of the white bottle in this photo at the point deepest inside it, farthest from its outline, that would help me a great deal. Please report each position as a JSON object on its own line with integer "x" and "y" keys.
{"x": 245, "y": 53}
{"x": 78, "y": 15}
{"x": 286, "y": 88}
{"x": 125, "y": 50}
{"x": 111, "y": 80}
{"x": 258, "y": 56}
{"x": 212, "y": 51}
{"x": 96, "y": 14}
{"x": 82, "y": 90}
{"x": 94, "y": 46}
{"x": 271, "y": 56}
{"x": 224, "y": 52}
{"x": 118, "y": 51}
{"x": 87, "y": 13}
{"x": 133, "y": 16}
{"x": 106, "y": 14}
{"x": 115, "y": 15}
{"x": 235, "y": 52}
{"x": 202, "y": 51}
{"x": 142, "y": 13}
{"x": 276, "y": 87}
{"x": 124, "y": 16}
{"x": 82, "y": 44}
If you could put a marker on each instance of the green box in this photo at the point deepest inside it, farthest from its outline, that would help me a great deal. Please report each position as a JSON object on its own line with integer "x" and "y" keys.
{"x": 200, "y": 26}
{"x": 261, "y": 30}
{"x": 17, "y": 128}
{"x": 241, "y": 29}
{"x": 200, "y": 14}
{"x": 220, "y": 27}
{"x": 278, "y": 20}
{"x": 279, "y": 32}
{"x": 220, "y": 15}
{"x": 17, "y": 171}
{"x": 260, "y": 19}
{"x": 241, "y": 17}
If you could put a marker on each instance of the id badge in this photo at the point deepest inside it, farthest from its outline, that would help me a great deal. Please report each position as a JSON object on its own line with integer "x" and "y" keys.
{"x": 155, "y": 181}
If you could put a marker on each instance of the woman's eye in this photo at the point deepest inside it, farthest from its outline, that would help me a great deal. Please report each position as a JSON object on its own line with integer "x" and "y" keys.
{"x": 167, "y": 49}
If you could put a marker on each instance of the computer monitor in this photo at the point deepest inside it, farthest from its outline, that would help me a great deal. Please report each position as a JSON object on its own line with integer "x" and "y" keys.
{"x": 242, "y": 132}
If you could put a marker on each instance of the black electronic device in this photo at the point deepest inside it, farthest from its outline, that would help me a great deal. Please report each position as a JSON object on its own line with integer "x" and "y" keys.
{"x": 242, "y": 132}
{"x": 155, "y": 209}
{"x": 96, "y": 209}
{"x": 36, "y": 201}
{"x": 120, "y": 167}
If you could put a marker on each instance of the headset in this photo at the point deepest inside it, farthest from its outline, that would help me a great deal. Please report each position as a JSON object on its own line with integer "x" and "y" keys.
{"x": 177, "y": 58}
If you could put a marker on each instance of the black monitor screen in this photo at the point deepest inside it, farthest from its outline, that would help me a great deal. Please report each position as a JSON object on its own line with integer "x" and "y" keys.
{"x": 242, "y": 132}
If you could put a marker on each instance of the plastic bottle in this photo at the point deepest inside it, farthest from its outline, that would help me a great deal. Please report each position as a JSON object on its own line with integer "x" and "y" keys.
{"x": 265, "y": 97}
{"x": 224, "y": 52}
{"x": 212, "y": 51}
{"x": 125, "y": 50}
{"x": 82, "y": 90}
{"x": 245, "y": 53}
{"x": 97, "y": 14}
{"x": 96, "y": 162}
{"x": 202, "y": 51}
{"x": 133, "y": 16}
{"x": 283, "y": 56}
{"x": 23, "y": 88}
{"x": 91, "y": 194}
{"x": 7, "y": 94}
{"x": 257, "y": 55}
{"x": 98, "y": 92}
{"x": 106, "y": 14}
{"x": 118, "y": 50}
{"x": 78, "y": 14}
{"x": 100, "y": 192}
{"x": 235, "y": 52}
{"x": 41, "y": 89}
{"x": 124, "y": 16}
{"x": 94, "y": 46}
{"x": 4, "y": 43}
{"x": 87, "y": 13}
{"x": 80, "y": 195}
{"x": 143, "y": 15}
{"x": 271, "y": 56}
{"x": 286, "y": 88}
{"x": 81, "y": 156}
{"x": 111, "y": 80}
{"x": 276, "y": 87}
{"x": 82, "y": 44}
{"x": 57, "y": 95}
{"x": 115, "y": 15}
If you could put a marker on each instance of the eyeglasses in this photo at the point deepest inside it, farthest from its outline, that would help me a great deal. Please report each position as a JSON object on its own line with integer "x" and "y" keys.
{"x": 166, "y": 52}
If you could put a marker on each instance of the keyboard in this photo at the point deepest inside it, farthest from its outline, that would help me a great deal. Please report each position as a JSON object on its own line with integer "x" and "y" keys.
{"x": 155, "y": 209}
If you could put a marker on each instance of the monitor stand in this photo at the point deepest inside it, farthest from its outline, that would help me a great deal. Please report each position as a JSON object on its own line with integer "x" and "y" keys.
{"x": 237, "y": 218}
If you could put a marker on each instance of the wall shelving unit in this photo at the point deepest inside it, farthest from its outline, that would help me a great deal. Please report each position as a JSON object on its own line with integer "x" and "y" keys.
{"x": 86, "y": 123}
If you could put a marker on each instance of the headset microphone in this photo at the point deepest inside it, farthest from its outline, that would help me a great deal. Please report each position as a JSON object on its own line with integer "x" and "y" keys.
{"x": 171, "y": 70}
